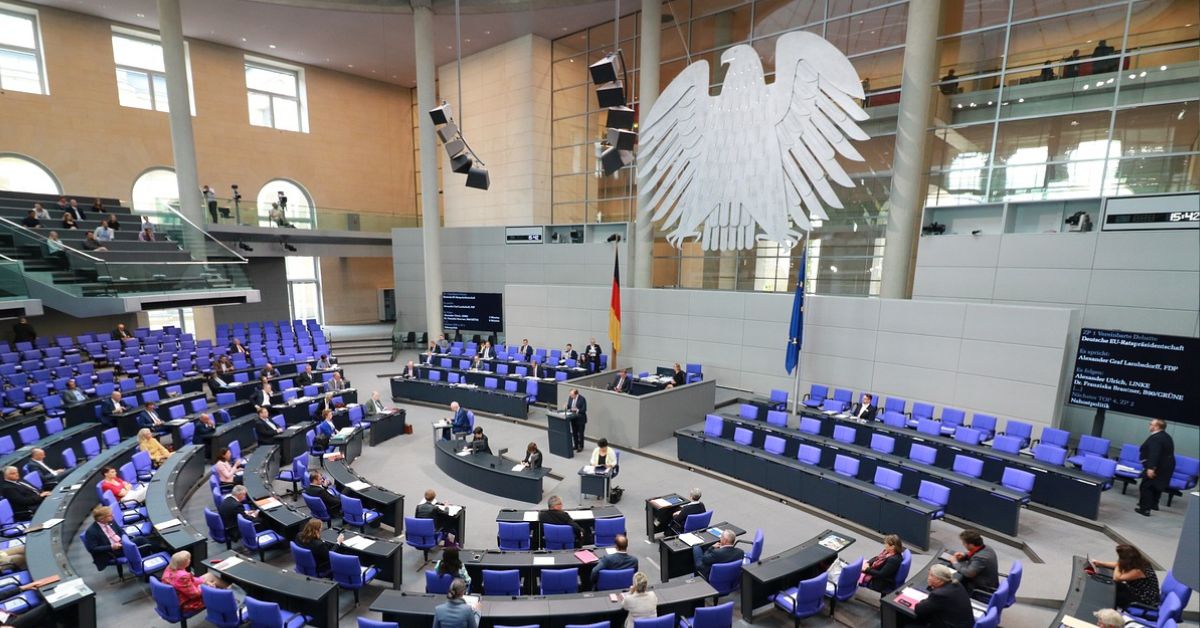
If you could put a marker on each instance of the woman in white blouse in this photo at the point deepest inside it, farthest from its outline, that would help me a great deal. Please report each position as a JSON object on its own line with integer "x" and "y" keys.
{"x": 638, "y": 602}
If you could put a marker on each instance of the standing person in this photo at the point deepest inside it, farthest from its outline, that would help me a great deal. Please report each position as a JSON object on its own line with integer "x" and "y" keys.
{"x": 1157, "y": 454}
{"x": 23, "y": 331}
{"x": 948, "y": 604}
{"x": 210, "y": 199}
{"x": 640, "y": 603}
{"x": 1071, "y": 70}
{"x": 949, "y": 83}
{"x": 1134, "y": 576}
{"x": 577, "y": 414}
{"x": 591, "y": 355}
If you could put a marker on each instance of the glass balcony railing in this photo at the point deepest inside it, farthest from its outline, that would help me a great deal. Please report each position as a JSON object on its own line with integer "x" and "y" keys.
{"x": 300, "y": 216}
{"x": 12, "y": 280}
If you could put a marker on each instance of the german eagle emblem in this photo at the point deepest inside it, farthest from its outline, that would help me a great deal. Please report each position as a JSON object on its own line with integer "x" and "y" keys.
{"x": 756, "y": 156}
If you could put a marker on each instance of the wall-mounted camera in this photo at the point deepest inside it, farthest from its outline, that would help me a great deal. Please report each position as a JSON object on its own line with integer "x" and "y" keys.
{"x": 933, "y": 228}
{"x": 1079, "y": 221}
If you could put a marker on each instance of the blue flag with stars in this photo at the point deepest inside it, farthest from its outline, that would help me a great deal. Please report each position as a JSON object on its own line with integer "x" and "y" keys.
{"x": 796, "y": 335}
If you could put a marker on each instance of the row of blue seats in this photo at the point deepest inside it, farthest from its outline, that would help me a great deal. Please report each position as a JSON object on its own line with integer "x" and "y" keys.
{"x": 493, "y": 383}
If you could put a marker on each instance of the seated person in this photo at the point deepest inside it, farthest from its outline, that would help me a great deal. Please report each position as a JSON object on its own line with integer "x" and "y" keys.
{"x": 623, "y": 382}
{"x": 320, "y": 488}
{"x": 104, "y": 537}
{"x": 603, "y": 455}
{"x": 442, "y": 522}
{"x": 693, "y": 507}
{"x": 948, "y": 604}
{"x": 977, "y": 567}
{"x": 231, "y": 506}
{"x": 186, "y": 585}
{"x": 72, "y": 394}
{"x": 336, "y": 383}
{"x": 533, "y": 456}
{"x": 460, "y": 423}
{"x": 324, "y": 363}
{"x": 149, "y": 418}
{"x": 305, "y": 378}
{"x": 618, "y": 558}
{"x": 111, "y": 408}
{"x": 22, "y": 496}
{"x": 554, "y": 514}
{"x": 264, "y": 428}
{"x": 724, "y": 551}
{"x": 451, "y": 564}
{"x": 478, "y": 443}
{"x": 228, "y": 470}
{"x": 410, "y": 371}
{"x": 1134, "y": 575}
{"x": 639, "y": 602}
{"x": 866, "y": 408}
{"x": 310, "y": 539}
{"x": 879, "y": 573}
{"x": 678, "y": 376}
{"x": 150, "y": 445}
{"x": 122, "y": 490}
{"x": 455, "y": 612}
{"x": 205, "y": 426}
{"x": 47, "y": 474}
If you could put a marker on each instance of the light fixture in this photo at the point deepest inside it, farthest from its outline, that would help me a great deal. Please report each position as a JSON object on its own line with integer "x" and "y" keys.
{"x": 1020, "y": 100}
{"x": 1162, "y": 68}
{"x": 610, "y": 77}
{"x": 463, "y": 160}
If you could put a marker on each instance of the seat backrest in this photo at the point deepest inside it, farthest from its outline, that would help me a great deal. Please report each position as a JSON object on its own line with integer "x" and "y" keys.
{"x": 905, "y": 566}
{"x": 742, "y": 436}
{"x": 724, "y": 577}
{"x": 922, "y": 410}
{"x": 720, "y": 616}
{"x": 883, "y": 443}
{"x": 1100, "y": 467}
{"x": 607, "y": 530}
{"x": 894, "y": 404}
{"x": 845, "y": 465}
{"x": 887, "y": 478}
{"x": 809, "y": 425}
{"x": 810, "y": 596}
{"x": 895, "y": 419}
{"x": 929, "y": 426}
{"x": 1094, "y": 445}
{"x": 774, "y": 445}
{"x": 1018, "y": 480}
{"x": 166, "y": 601}
{"x": 1018, "y": 429}
{"x": 968, "y": 435}
{"x": 437, "y": 584}
{"x": 1050, "y": 454}
{"x": 984, "y": 423}
{"x": 346, "y": 568}
{"x": 843, "y": 395}
{"x": 922, "y": 453}
{"x": 502, "y": 582}
{"x": 816, "y": 393}
{"x": 933, "y": 493}
{"x": 514, "y": 535}
{"x": 833, "y": 405}
{"x": 777, "y": 418}
{"x": 843, "y": 433}
{"x": 1055, "y": 436}
{"x": 610, "y": 579}
{"x": 1131, "y": 456}
{"x": 1015, "y": 573}
{"x": 697, "y": 521}
{"x": 809, "y": 454}
{"x": 559, "y": 581}
{"x": 748, "y": 411}
{"x": 756, "y": 547}
{"x": 951, "y": 417}
{"x": 714, "y": 425}
{"x": 966, "y": 465}
{"x": 1007, "y": 444}
{"x": 306, "y": 564}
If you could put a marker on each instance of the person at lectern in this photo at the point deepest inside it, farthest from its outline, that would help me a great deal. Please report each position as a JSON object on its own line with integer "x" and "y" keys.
{"x": 577, "y": 413}
{"x": 533, "y": 457}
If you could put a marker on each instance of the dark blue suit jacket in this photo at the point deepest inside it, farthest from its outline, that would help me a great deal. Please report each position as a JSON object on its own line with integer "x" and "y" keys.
{"x": 106, "y": 413}
{"x": 144, "y": 420}
{"x": 580, "y": 407}
{"x": 98, "y": 545}
{"x": 326, "y": 428}
{"x": 619, "y": 560}
{"x": 460, "y": 424}
{"x": 528, "y": 354}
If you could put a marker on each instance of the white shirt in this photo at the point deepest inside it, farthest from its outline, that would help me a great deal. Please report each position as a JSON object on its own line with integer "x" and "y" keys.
{"x": 104, "y": 234}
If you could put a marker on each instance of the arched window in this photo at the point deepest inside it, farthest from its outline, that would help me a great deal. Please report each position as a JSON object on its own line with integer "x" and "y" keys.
{"x": 299, "y": 210}
{"x": 156, "y": 190}
{"x": 22, "y": 174}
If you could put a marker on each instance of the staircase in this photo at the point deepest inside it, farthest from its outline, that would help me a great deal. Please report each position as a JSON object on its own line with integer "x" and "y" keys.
{"x": 362, "y": 350}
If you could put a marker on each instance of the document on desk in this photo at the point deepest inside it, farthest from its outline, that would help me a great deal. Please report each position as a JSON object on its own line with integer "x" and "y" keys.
{"x": 268, "y": 503}
{"x": 581, "y": 515}
{"x": 345, "y": 432}
{"x": 520, "y": 466}
{"x": 586, "y": 556}
{"x": 465, "y": 452}
{"x": 910, "y": 597}
{"x": 66, "y": 589}
{"x": 166, "y": 525}
{"x": 1124, "y": 468}
{"x": 691, "y": 539}
{"x": 228, "y": 563}
{"x": 531, "y": 515}
{"x": 589, "y": 469}
{"x": 543, "y": 560}
{"x": 452, "y": 510}
{"x": 1071, "y": 622}
{"x": 441, "y": 424}
{"x": 358, "y": 485}
{"x": 358, "y": 542}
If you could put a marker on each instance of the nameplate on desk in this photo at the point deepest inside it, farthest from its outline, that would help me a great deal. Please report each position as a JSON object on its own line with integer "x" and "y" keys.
{"x": 690, "y": 539}
{"x": 543, "y": 560}
{"x": 358, "y": 542}
{"x": 228, "y": 563}
{"x": 166, "y": 525}
{"x": 581, "y": 515}
{"x": 910, "y": 597}
{"x": 531, "y": 515}
{"x": 358, "y": 485}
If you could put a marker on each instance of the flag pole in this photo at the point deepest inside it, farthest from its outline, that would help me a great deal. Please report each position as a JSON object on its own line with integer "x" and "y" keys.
{"x": 799, "y": 355}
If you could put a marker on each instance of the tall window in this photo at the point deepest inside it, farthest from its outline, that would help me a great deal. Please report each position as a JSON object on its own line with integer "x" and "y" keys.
{"x": 276, "y": 96}
{"x": 141, "y": 72}
{"x": 20, "y": 174}
{"x": 299, "y": 208}
{"x": 21, "y": 68}
{"x": 179, "y": 317}
{"x": 304, "y": 288}
{"x": 155, "y": 190}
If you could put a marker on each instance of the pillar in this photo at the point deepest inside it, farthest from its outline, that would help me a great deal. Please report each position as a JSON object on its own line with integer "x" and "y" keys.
{"x": 431, "y": 220}
{"x": 648, "y": 64}
{"x": 183, "y": 142}
{"x": 907, "y": 195}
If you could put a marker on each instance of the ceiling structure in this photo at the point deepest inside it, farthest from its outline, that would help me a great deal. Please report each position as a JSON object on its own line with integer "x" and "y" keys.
{"x": 369, "y": 38}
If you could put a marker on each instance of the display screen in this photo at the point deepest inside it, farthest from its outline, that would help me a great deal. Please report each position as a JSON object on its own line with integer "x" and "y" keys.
{"x": 1149, "y": 375}
{"x": 475, "y": 311}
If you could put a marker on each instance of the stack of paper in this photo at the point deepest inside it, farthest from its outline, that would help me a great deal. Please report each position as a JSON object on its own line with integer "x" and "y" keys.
{"x": 1124, "y": 469}
{"x": 464, "y": 452}
{"x": 520, "y": 466}
{"x": 531, "y": 515}
{"x": 453, "y": 510}
{"x": 166, "y": 525}
{"x": 589, "y": 469}
{"x": 581, "y": 515}
{"x": 910, "y": 597}
{"x": 268, "y": 503}
{"x": 543, "y": 560}
{"x": 690, "y": 539}
{"x": 358, "y": 485}
{"x": 358, "y": 542}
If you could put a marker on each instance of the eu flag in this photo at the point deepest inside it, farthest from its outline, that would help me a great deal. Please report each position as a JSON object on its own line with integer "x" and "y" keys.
{"x": 796, "y": 336}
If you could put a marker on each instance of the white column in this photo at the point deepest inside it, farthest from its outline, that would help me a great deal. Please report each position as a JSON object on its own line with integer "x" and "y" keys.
{"x": 431, "y": 220}
{"x": 907, "y": 196}
{"x": 183, "y": 143}
{"x": 643, "y": 230}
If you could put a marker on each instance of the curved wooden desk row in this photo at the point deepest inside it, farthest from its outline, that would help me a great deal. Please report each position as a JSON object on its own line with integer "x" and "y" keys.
{"x": 585, "y": 517}
{"x": 413, "y": 610}
{"x": 547, "y": 391}
{"x": 173, "y": 484}
{"x": 489, "y": 473}
{"x": 477, "y": 399}
{"x": 71, "y": 502}
{"x": 862, "y": 502}
{"x": 1058, "y": 487}
{"x": 986, "y": 503}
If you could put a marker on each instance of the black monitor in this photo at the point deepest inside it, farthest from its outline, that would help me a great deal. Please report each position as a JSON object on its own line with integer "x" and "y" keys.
{"x": 1150, "y": 375}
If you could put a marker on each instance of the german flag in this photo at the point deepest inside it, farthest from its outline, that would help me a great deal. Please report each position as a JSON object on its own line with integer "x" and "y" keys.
{"x": 614, "y": 311}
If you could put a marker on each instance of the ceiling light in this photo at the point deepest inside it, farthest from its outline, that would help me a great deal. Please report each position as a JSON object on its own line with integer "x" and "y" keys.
{"x": 1132, "y": 76}
{"x": 1162, "y": 67}
{"x": 989, "y": 103}
{"x": 490, "y": 32}
{"x": 960, "y": 105}
{"x": 1181, "y": 112}
{"x": 1020, "y": 100}
{"x": 1143, "y": 73}
{"x": 271, "y": 46}
{"x": 350, "y": 65}
{"x": 1074, "y": 122}
{"x": 243, "y": 39}
{"x": 833, "y": 268}
{"x": 972, "y": 105}
{"x": 141, "y": 15}
{"x": 1086, "y": 86}
{"x": 1099, "y": 83}
{"x": 1109, "y": 81}
{"x": 467, "y": 40}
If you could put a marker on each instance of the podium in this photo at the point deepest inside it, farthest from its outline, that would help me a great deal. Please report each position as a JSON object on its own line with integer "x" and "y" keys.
{"x": 559, "y": 433}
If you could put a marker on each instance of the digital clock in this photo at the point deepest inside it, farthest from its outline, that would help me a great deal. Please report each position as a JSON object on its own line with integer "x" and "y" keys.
{"x": 1151, "y": 212}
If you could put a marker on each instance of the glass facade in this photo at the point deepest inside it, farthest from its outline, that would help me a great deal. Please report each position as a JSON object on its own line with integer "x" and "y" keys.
{"x": 1037, "y": 100}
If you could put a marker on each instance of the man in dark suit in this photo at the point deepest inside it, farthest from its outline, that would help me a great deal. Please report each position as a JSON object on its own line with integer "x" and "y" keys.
{"x": 47, "y": 474}
{"x": 724, "y": 551}
{"x": 486, "y": 352}
{"x": 110, "y": 408}
{"x": 150, "y": 420}
{"x": 23, "y": 331}
{"x": 1157, "y": 454}
{"x": 264, "y": 429}
{"x": 236, "y": 346}
{"x": 526, "y": 350}
{"x": 537, "y": 370}
{"x": 262, "y": 396}
{"x": 231, "y": 506}
{"x": 693, "y": 507}
{"x": 318, "y": 487}
{"x": 410, "y": 371}
{"x": 568, "y": 354}
{"x": 591, "y": 355}
{"x": 119, "y": 333}
{"x": 622, "y": 383}
{"x": 269, "y": 371}
{"x": 977, "y": 567}
{"x": 305, "y": 378}
{"x": 429, "y": 509}
{"x": 619, "y": 559}
{"x": 460, "y": 423}
{"x": 23, "y": 497}
{"x": 103, "y": 538}
{"x": 205, "y": 426}
{"x": 948, "y": 604}
{"x": 577, "y": 413}
{"x": 555, "y": 514}
{"x": 866, "y": 409}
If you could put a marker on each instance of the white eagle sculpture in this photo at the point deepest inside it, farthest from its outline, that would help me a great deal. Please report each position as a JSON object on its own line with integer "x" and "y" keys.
{"x": 719, "y": 167}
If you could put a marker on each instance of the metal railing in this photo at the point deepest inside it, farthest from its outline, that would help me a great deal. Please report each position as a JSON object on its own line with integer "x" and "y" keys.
{"x": 299, "y": 216}
{"x": 12, "y": 279}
